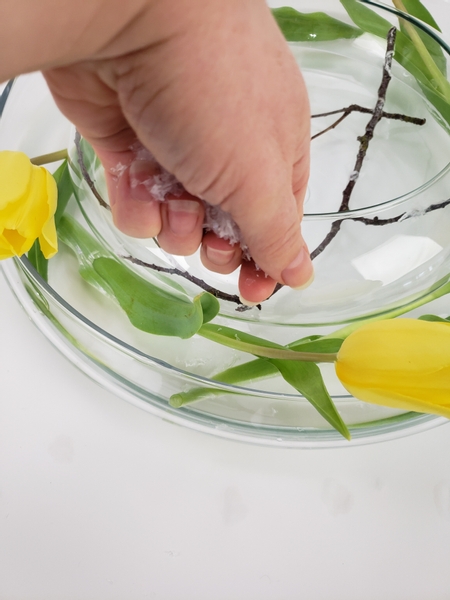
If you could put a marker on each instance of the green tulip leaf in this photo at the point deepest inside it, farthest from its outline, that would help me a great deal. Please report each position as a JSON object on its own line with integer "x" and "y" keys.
{"x": 90, "y": 158}
{"x": 307, "y": 379}
{"x": 366, "y": 19}
{"x": 306, "y": 27}
{"x": 407, "y": 55}
{"x": 442, "y": 114}
{"x": 236, "y": 337}
{"x": 210, "y": 306}
{"x": 417, "y": 9}
{"x": 434, "y": 318}
{"x": 148, "y": 307}
{"x": 85, "y": 247}
{"x": 259, "y": 367}
{"x": 194, "y": 395}
{"x": 325, "y": 345}
{"x": 431, "y": 75}
{"x": 249, "y": 371}
{"x": 38, "y": 260}
{"x": 65, "y": 189}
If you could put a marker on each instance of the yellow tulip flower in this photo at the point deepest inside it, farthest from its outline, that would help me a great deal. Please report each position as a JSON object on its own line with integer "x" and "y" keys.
{"x": 28, "y": 196}
{"x": 401, "y": 363}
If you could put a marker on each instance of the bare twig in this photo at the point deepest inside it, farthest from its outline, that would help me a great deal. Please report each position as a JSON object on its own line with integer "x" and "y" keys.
{"x": 364, "y": 142}
{"x": 376, "y": 221}
{"x": 362, "y": 109}
{"x": 84, "y": 172}
{"x": 195, "y": 280}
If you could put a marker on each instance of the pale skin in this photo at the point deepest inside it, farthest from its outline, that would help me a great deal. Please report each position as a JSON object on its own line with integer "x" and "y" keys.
{"x": 211, "y": 89}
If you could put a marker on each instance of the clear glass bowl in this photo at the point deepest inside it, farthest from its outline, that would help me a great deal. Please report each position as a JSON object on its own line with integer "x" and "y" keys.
{"x": 391, "y": 247}
{"x": 367, "y": 268}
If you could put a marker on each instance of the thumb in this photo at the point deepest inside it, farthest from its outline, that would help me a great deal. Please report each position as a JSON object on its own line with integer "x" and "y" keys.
{"x": 268, "y": 210}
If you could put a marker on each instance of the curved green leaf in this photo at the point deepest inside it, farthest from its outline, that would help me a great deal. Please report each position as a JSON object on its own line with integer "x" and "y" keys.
{"x": 434, "y": 318}
{"x": 365, "y": 18}
{"x": 148, "y": 307}
{"x": 38, "y": 260}
{"x": 258, "y": 368}
{"x": 211, "y": 330}
{"x": 210, "y": 306}
{"x": 417, "y": 9}
{"x": 304, "y": 377}
{"x": 306, "y": 27}
{"x": 435, "y": 87}
{"x": 65, "y": 189}
{"x": 307, "y": 379}
{"x": 194, "y": 395}
{"x": 85, "y": 247}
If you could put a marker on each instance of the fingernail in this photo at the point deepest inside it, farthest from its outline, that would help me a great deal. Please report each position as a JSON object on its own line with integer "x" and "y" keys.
{"x": 219, "y": 257}
{"x": 301, "y": 267}
{"x": 248, "y": 302}
{"x": 141, "y": 171}
{"x": 183, "y": 216}
{"x": 305, "y": 285}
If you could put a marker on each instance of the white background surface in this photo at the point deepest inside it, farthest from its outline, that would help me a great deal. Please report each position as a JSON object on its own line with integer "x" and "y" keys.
{"x": 100, "y": 500}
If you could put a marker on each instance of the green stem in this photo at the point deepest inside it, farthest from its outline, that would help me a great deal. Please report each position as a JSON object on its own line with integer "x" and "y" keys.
{"x": 258, "y": 368}
{"x": 45, "y": 159}
{"x": 264, "y": 351}
{"x": 441, "y": 81}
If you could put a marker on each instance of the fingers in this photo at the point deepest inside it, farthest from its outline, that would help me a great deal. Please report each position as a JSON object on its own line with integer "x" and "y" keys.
{"x": 147, "y": 202}
{"x": 269, "y": 216}
{"x": 135, "y": 212}
{"x": 232, "y": 124}
{"x": 254, "y": 285}
{"x": 218, "y": 255}
{"x": 182, "y": 224}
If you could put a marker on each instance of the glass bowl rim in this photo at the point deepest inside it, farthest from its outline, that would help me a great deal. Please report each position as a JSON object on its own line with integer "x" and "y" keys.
{"x": 367, "y": 210}
{"x": 368, "y": 432}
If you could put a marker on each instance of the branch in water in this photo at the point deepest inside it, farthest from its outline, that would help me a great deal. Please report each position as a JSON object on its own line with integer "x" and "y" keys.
{"x": 361, "y": 109}
{"x": 376, "y": 221}
{"x": 364, "y": 142}
{"x": 84, "y": 172}
{"x": 196, "y": 280}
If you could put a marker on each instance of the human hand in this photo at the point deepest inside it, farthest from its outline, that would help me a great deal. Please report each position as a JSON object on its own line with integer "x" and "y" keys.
{"x": 212, "y": 90}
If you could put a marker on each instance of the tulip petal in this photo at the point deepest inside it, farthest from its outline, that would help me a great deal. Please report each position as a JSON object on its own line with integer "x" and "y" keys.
{"x": 14, "y": 239}
{"x": 402, "y": 401}
{"x": 6, "y": 250}
{"x": 401, "y": 363}
{"x": 48, "y": 239}
{"x": 28, "y": 199}
{"x": 15, "y": 174}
